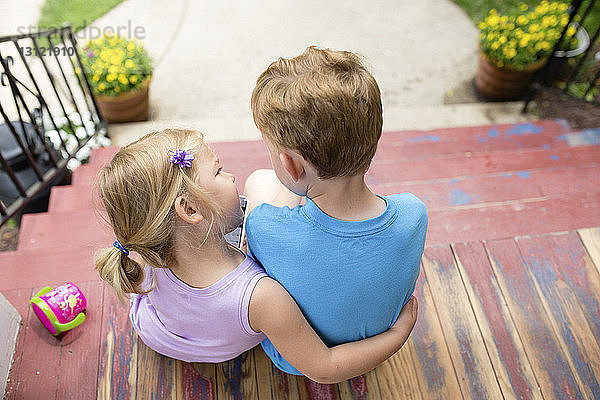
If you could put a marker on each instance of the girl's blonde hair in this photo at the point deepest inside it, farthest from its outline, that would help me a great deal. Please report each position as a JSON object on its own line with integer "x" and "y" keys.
{"x": 138, "y": 189}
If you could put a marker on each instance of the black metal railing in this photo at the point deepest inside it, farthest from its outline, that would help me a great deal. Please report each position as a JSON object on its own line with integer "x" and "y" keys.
{"x": 48, "y": 113}
{"x": 576, "y": 72}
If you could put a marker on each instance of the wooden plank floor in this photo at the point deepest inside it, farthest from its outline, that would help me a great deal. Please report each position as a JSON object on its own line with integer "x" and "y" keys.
{"x": 510, "y": 318}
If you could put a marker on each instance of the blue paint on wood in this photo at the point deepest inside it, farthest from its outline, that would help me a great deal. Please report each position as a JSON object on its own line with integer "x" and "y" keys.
{"x": 523, "y": 174}
{"x": 527, "y": 128}
{"x": 555, "y": 157}
{"x": 494, "y": 133}
{"x": 459, "y": 198}
{"x": 547, "y": 277}
{"x": 588, "y": 137}
{"x": 233, "y": 376}
{"x": 546, "y": 146}
{"x": 425, "y": 138}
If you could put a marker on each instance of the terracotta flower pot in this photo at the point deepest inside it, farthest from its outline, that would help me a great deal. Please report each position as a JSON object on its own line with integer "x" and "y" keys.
{"x": 127, "y": 107}
{"x": 504, "y": 83}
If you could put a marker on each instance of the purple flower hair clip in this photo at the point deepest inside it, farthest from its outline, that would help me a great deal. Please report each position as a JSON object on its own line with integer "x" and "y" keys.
{"x": 181, "y": 158}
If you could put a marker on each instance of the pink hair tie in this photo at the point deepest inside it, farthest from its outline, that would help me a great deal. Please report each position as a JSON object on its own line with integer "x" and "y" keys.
{"x": 181, "y": 158}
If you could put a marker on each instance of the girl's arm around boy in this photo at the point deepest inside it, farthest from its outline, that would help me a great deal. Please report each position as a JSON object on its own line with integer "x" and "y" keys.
{"x": 274, "y": 312}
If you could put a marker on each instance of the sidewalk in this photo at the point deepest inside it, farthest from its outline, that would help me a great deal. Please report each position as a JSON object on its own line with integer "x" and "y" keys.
{"x": 209, "y": 54}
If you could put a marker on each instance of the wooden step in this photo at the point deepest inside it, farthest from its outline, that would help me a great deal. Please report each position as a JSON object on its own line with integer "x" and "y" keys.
{"x": 466, "y": 222}
{"x": 545, "y": 133}
{"x": 390, "y": 170}
{"x": 81, "y": 228}
{"x": 34, "y": 267}
{"x": 72, "y": 198}
{"x": 511, "y": 318}
{"x": 534, "y": 216}
{"x": 102, "y": 155}
{"x": 501, "y": 187}
{"x": 412, "y": 145}
{"x": 436, "y": 193}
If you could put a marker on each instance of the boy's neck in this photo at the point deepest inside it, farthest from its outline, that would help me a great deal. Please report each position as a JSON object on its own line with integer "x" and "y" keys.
{"x": 346, "y": 198}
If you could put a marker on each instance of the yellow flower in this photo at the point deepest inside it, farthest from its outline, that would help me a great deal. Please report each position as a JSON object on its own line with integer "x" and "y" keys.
{"x": 133, "y": 79}
{"x": 495, "y": 45}
{"x": 117, "y": 90}
{"x": 481, "y": 25}
{"x": 123, "y": 79}
{"x": 502, "y": 39}
{"x": 129, "y": 63}
{"x": 104, "y": 56}
{"x": 492, "y": 20}
{"x": 96, "y": 77}
{"x": 101, "y": 86}
{"x": 116, "y": 60}
{"x": 523, "y": 42}
{"x": 522, "y": 20}
{"x": 523, "y": 7}
{"x": 571, "y": 30}
{"x": 509, "y": 52}
{"x": 130, "y": 46}
{"x": 534, "y": 28}
{"x": 111, "y": 77}
{"x": 113, "y": 69}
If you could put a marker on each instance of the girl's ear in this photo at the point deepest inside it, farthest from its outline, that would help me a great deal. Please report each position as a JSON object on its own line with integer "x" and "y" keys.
{"x": 187, "y": 211}
{"x": 293, "y": 165}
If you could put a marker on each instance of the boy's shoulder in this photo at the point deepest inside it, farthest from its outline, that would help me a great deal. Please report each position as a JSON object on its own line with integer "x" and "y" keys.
{"x": 270, "y": 211}
{"x": 412, "y": 210}
{"x": 407, "y": 201}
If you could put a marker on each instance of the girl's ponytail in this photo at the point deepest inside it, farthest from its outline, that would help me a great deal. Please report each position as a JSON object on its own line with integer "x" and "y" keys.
{"x": 124, "y": 274}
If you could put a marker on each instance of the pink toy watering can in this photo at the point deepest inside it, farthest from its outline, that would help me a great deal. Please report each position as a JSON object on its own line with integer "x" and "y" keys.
{"x": 60, "y": 309}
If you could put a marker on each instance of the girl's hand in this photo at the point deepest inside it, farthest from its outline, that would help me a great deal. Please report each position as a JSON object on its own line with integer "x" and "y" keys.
{"x": 407, "y": 318}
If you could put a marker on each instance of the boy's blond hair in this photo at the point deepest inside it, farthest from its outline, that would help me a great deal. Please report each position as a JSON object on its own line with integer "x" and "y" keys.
{"x": 138, "y": 189}
{"x": 323, "y": 104}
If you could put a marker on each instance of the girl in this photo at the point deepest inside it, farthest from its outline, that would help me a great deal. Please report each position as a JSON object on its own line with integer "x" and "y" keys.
{"x": 199, "y": 299}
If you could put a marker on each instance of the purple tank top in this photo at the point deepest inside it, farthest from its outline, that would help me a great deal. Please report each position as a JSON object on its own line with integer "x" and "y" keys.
{"x": 197, "y": 325}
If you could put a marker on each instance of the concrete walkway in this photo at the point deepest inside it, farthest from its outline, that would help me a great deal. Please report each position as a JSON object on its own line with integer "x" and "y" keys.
{"x": 208, "y": 55}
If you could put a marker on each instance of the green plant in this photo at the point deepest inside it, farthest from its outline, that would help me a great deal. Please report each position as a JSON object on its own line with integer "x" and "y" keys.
{"x": 115, "y": 65}
{"x": 526, "y": 35}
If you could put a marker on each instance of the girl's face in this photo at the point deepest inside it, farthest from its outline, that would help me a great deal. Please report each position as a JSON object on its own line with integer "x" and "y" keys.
{"x": 221, "y": 186}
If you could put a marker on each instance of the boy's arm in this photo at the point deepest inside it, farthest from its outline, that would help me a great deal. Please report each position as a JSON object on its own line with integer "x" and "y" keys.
{"x": 274, "y": 312}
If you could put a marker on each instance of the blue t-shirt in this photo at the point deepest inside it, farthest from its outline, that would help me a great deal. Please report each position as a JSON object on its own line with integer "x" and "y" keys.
{"x": 349, "y": 278}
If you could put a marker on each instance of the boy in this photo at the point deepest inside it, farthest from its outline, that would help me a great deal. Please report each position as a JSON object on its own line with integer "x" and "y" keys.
{"x": 349, "y": 257}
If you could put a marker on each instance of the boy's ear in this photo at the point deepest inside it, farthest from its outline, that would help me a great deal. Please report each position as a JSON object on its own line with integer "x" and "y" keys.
{"x": 292, "y": 165}
{"x": 187, "y": 211}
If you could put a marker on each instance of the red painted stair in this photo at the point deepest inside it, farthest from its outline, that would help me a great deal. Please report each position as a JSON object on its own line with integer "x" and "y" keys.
{"x": 484, "y": 182}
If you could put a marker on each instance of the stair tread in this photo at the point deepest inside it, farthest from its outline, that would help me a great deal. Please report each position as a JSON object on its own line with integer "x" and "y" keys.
{"x": 83, "y": 228}
{"x": 29, "y": 268}
{"x": 563, "y": 212}
{"x": 436, "y": 193}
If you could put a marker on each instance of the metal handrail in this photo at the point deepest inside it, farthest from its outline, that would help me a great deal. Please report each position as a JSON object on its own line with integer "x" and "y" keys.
{"x": 544, "y": 78}
{"x": 63, "y": 102}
